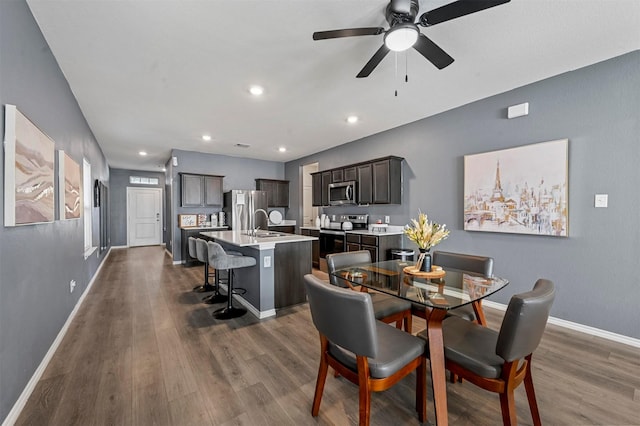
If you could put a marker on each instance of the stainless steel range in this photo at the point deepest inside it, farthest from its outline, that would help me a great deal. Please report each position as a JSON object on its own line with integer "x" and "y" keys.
{"x": 332, "y": 238}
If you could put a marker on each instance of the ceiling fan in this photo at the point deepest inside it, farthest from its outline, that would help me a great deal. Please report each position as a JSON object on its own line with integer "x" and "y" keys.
{"x": 404, "y": 33}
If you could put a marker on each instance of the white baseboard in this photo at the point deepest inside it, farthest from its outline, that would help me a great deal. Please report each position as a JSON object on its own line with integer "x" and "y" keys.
{"x": 13, "y": 415}
{"x": 119, "y": 247}
{"x": 256, "y": 313}
{"x": 620, "y": 338}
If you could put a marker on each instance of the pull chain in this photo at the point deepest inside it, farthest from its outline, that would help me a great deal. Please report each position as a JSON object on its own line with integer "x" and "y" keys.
{"x": 396, "y": 76}
{"x": 406, "y": 67}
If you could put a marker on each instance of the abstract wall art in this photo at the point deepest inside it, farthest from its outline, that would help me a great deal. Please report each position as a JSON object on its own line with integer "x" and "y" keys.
{"x": 29, "y": 172}
{"x": 69, "y": 187}
{"x": 522, "y": 190}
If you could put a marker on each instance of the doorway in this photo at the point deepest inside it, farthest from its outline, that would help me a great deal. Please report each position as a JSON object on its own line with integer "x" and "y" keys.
{"x": 144, "y": 216}
{"x": 309, "y": 212}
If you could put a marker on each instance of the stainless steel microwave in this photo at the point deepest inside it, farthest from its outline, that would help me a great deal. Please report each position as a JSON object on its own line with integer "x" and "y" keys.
{"x": 341, "y": 193}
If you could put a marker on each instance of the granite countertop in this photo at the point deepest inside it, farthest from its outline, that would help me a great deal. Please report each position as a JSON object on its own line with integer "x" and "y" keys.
{"x": 241, "y": 239}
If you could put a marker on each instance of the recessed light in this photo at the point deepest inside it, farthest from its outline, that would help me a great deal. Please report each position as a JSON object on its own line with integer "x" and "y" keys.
{"x": 352, "y": 119}
{"x": 282, "y": 149}
{"x": 256, "y": 90}
{"x": 143, "y": 153}
{"x": 206, "y": 138}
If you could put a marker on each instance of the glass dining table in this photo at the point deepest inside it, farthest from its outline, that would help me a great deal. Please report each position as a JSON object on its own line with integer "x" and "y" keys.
{"x": 437, "y": 292}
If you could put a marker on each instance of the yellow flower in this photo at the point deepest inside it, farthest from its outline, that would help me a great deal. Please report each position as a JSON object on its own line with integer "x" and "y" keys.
{"x": 424, "y": 233}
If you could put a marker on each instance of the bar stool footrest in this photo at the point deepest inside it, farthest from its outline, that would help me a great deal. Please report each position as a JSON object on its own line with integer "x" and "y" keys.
{"x": 239, "y": 290}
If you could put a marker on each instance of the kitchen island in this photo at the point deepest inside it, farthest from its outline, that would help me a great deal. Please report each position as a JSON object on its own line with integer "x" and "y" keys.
{"x": 276, "y": 281}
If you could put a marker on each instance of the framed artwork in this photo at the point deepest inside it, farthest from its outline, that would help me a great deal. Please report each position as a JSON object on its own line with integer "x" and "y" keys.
{"x": 521, "y": 190}
{"x": 187, "y": 220}
{"x": 29, "y": 181}
{"x": 70, "y": 187}
{"x": 202, "y": 219}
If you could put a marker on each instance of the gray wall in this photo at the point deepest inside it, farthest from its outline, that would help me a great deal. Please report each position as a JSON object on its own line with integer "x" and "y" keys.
{"x": 118, "y": 183}
{"x": 597, "y": 109}
{"x": 38, "y": 261}
{"x": 239, "y": 173}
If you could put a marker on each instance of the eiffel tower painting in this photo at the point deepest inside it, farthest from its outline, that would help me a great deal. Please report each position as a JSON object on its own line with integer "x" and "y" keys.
{"x": 522, "y": 190}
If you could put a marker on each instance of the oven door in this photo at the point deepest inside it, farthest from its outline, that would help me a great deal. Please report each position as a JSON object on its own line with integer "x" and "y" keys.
{"x": 331, "y": 242}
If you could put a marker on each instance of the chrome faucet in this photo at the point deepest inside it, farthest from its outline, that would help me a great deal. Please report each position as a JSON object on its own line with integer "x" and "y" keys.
{"x": 254, "y": 231}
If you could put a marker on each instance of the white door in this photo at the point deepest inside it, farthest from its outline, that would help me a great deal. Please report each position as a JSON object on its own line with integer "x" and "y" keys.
{"x": 144, "y": 216}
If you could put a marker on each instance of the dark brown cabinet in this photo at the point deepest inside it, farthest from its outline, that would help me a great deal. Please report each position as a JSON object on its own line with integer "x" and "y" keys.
{"x": 379, "y": 181}
{"x": 386, "y": 176}
{"x": 320, "y": 189}
{"x": 378, "y": 245}
{"x": 365, "y": 186}
{"x": 287, "y": 229}
{"x": 200, "y": 190}
{"x": 277, "y": 191}
{"x": 315, "y": 246}
{"x": 316, "y": 189}
{"x": 350, "y": 173}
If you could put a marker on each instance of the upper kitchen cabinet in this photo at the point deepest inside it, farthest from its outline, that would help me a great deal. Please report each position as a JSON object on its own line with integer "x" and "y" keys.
{"x": 200, "y": 190}
{"x": 387, "y": 181}
{"x": 320, "y": 188}
{"x": 277, "y": 191}
{"x": 379, "y": 181}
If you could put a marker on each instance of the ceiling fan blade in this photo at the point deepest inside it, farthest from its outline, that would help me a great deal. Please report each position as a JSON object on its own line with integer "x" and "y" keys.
{"x": 348, "y": 32}
{"x": 432, "y": 52}
{"x": 373, "y": 62}
{"x": 456, "y": 10}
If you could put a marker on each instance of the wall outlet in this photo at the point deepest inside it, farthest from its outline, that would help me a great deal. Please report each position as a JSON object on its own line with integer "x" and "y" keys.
{"x": 267, "y": 261}
{"x": 72, "y": 285}
{"x": 387, "y": 219}
{"x": 602, "y": 200}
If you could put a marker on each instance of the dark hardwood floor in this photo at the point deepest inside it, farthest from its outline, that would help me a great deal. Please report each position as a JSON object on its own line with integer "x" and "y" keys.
{"x": 144, "y": 350}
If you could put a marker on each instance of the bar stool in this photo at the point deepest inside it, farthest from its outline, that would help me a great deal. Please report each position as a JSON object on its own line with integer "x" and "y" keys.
{"x": 193, "y": 252}
{"x": 220, "y": 260}
{"x": 202, "y": 252}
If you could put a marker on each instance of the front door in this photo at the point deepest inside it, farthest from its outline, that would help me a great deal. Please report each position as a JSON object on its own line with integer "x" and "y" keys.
{"x": 144, "y": 214}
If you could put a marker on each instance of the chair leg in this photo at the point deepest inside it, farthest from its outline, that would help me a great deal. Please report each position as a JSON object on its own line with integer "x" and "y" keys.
{"x": 364, "y": 391}
{"x": 408, "y": 322}
{"x": 421, "y": 390}
{"x": 531, "y": 394}
{"x": 508, "y": 406}
{"x": 322, "y": 377}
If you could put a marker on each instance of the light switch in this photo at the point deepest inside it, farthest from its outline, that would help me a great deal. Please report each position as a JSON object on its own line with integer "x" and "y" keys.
{"x": 602, "y": 200}
{"x": 267, "y": 261}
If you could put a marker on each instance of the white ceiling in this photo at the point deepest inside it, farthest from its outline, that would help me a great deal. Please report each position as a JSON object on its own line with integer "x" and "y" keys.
{"x": 155, "y": 75}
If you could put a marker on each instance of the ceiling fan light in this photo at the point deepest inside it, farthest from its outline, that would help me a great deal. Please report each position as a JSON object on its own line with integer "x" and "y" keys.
{"x": 401, "y": 37}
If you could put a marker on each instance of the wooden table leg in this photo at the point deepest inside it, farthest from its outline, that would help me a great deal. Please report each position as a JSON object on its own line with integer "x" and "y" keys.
{"x": 477, "y": 308}
{"x": 436, "y": 356}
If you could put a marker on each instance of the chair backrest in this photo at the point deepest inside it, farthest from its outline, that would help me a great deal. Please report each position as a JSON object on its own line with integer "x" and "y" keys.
{"x": 524, "y": 321}
{"x": 192, "y": 247}
{"x": 343, "y": 316}
{"x": 466, "y": 262}
{"x": 201, "y": 250}
{"x": 337, "y": 261}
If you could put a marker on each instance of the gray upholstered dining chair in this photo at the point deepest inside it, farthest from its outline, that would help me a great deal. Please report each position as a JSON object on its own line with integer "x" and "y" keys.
{"x": 367, "y": 352}
{"x": 464, "y": 262}
{"x": 222, "y": 260}
{"x": 386, "y": 308}
{"x": 500, "y": 361}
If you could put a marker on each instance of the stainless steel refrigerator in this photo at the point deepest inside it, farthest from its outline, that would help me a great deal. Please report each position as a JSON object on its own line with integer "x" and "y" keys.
{"x": 246, "y": 209}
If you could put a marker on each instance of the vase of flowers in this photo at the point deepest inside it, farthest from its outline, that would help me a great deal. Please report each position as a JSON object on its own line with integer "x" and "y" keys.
{"x": 425, "y": 234}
